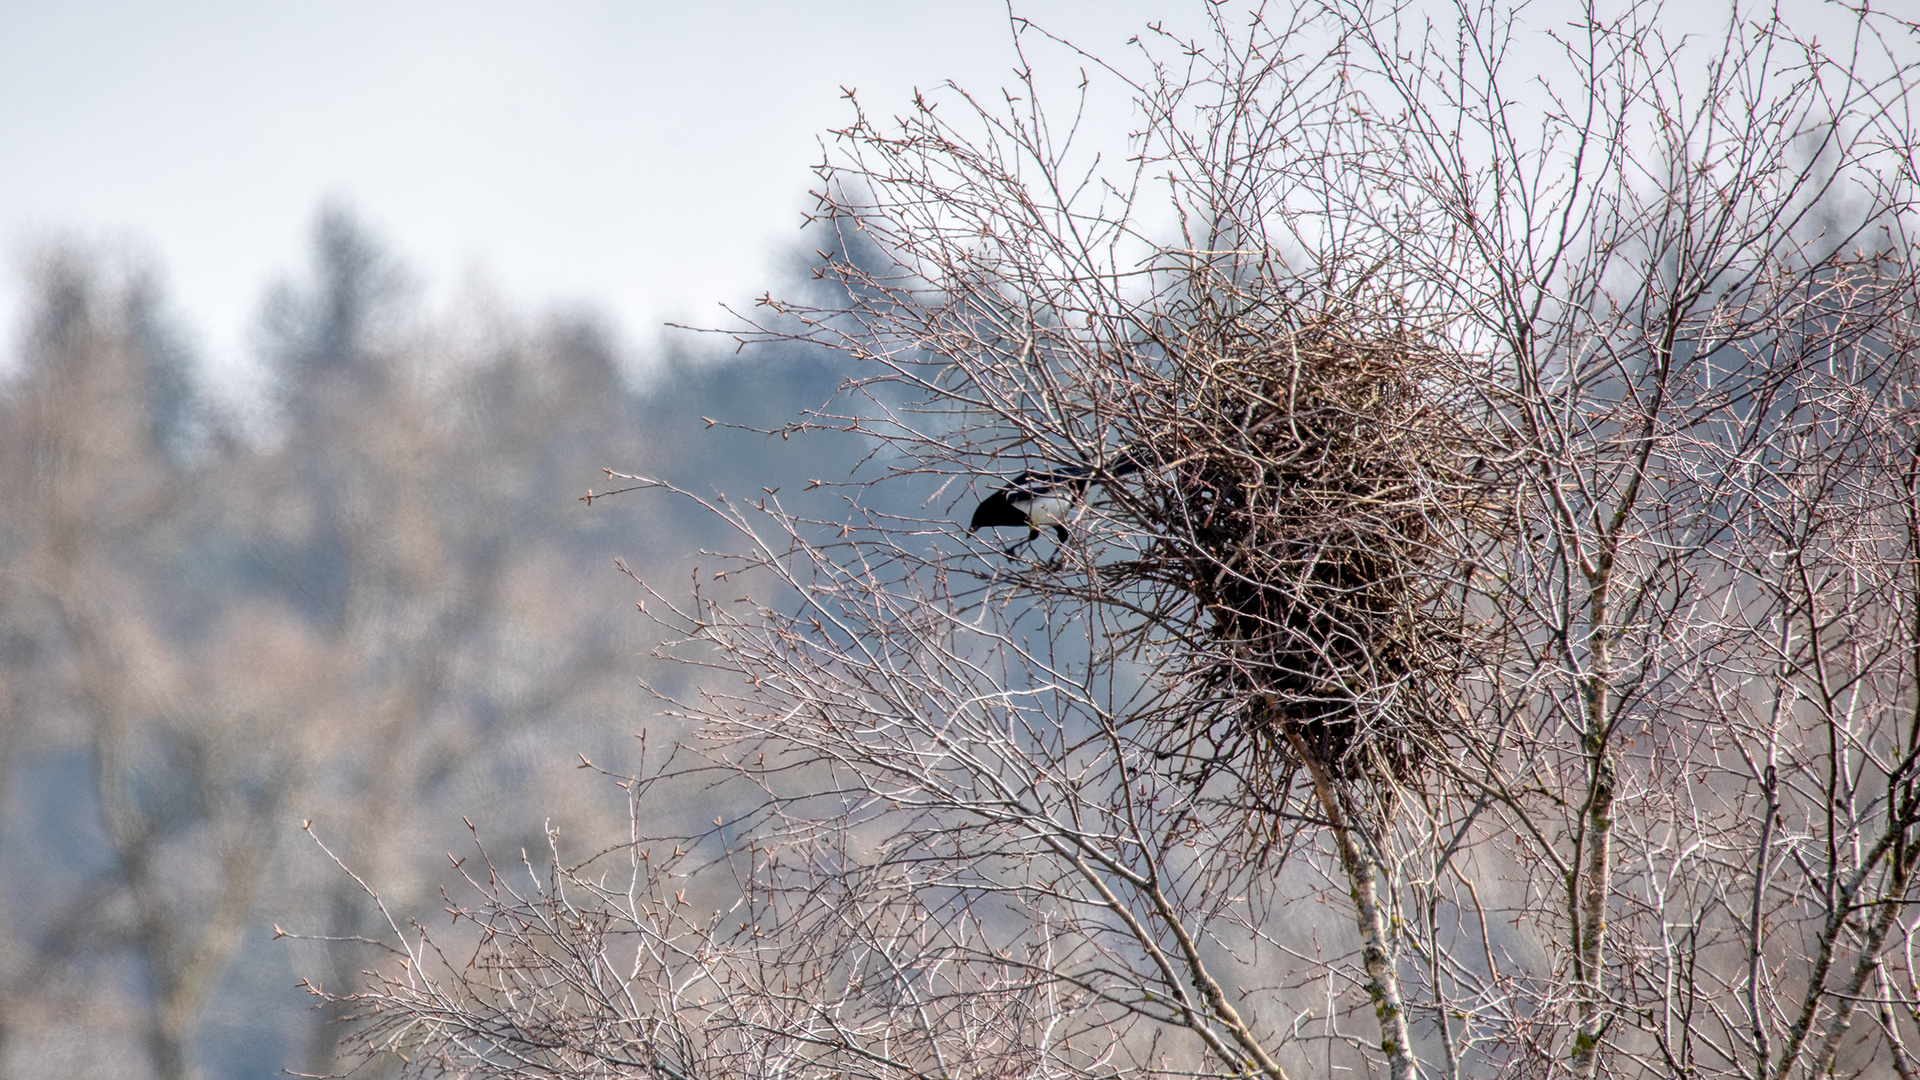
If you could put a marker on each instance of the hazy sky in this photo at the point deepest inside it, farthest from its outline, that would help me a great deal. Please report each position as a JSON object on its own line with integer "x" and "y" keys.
{"x": 650, "y": 159}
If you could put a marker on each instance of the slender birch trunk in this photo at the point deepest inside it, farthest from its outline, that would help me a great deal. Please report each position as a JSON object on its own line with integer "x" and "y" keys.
{"x": 1376, "y": 948}
{"x": 1588, "y": 892}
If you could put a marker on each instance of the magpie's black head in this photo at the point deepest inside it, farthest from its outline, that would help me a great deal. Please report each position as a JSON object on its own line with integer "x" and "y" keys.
{"x": 994, "y": 511}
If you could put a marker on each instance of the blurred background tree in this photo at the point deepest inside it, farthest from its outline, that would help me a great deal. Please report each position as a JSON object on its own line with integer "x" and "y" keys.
{"x": 378, "y": 605}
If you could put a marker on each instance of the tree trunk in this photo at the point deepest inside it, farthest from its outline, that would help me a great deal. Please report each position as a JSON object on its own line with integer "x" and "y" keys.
{"x": 1376, "y": 947}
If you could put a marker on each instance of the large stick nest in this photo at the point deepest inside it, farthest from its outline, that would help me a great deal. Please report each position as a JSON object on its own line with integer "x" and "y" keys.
{"x": 1313, "y": 491}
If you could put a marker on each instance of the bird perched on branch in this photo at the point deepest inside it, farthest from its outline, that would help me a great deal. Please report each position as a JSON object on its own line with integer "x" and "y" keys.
{"x": 1046, "y": 499}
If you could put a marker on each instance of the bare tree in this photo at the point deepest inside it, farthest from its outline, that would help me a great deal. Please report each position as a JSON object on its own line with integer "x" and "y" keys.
{"x": 409, "y": 509}
{"x": 1483, "y": 636}
{"x": 190, "y": 773}
{"x": 210, "y": 637}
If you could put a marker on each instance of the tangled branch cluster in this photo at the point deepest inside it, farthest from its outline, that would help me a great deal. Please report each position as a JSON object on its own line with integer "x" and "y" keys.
{"x": 1312, "y": 517}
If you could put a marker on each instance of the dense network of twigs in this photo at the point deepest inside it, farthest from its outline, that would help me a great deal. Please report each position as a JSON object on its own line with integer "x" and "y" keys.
{"x": 1310, "y": 504}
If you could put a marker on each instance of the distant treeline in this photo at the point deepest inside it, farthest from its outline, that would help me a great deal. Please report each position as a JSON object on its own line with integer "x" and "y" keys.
{"x": 381, "y": 608}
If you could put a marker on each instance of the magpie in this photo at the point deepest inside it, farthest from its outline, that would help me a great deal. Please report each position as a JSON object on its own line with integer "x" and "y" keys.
{"x": 1045, "y": 499}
